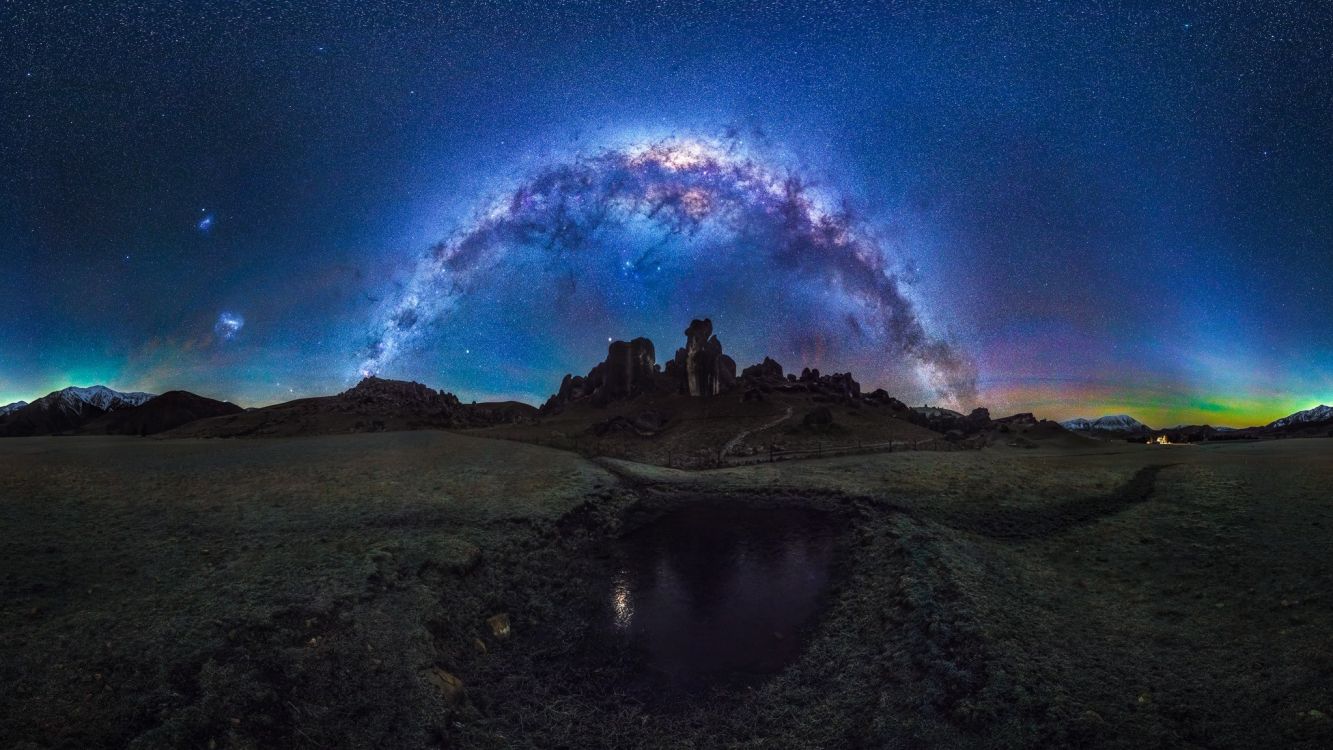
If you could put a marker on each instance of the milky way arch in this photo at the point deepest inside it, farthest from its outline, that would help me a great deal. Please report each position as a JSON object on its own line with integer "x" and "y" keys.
{"x": 678, "y": 187}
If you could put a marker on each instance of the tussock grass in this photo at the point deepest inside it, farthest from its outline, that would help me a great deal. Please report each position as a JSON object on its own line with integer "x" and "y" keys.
{"x": 308, "y": 592}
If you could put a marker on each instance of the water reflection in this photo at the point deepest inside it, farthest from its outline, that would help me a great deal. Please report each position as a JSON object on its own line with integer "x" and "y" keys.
{"x": 714, "y": 591}
{"x": 622, "y": 606}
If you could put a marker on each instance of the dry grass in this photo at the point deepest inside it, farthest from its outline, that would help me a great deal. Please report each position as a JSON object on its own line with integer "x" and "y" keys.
{"x": 296, "y": 593}
{"x": 699, "y": 428}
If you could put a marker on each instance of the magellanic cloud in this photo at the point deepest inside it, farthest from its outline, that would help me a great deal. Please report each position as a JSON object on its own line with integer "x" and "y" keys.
{"x": 680, "y": 187}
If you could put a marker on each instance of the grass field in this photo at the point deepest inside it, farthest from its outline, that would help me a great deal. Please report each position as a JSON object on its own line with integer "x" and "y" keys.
{"x": 335, "y": 592}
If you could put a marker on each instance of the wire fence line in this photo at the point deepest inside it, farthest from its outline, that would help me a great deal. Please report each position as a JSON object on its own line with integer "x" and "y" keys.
{"x": 775, "y": 454}
{"x": 595, "y": 447}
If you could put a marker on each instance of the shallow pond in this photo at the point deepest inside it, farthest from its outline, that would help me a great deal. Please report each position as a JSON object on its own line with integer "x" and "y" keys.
{"x": 722, "y": 592}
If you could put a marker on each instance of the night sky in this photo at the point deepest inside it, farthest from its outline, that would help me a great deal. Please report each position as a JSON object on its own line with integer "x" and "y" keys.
{"x": 1067, "y": 208}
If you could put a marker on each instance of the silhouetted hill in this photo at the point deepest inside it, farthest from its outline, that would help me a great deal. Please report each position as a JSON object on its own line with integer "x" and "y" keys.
{"x": 373, "y": 405}
{"x": 171, "y": 409}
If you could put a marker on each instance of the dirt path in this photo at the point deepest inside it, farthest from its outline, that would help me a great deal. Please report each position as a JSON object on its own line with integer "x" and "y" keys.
{"x": 732, "y": 443}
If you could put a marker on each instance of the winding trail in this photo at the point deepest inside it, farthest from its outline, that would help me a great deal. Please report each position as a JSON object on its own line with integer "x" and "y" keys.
{"x": 1035, "y": 523}
{"x": 746, "y": 433}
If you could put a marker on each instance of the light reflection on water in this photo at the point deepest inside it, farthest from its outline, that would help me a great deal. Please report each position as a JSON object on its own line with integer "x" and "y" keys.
{"x": 710, "y": 591}
{"x": 622, "y": 604}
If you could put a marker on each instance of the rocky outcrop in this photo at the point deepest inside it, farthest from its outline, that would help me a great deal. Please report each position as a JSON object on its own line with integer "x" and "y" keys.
{"x": 377, "y": 394}
{"x": 948, "y": 421}
{"x": 881, "y": 397}
{"x": 630, "y": 368}
{"x": 768, "y": 372}
{"x": 843, "y": 384}
{"x": 701, "y": 365}
{"x": 839, "y": 385}
{"x": 572, "y": 388}
{"x": 702, "y": 369}
{"x": 976, "y": 421}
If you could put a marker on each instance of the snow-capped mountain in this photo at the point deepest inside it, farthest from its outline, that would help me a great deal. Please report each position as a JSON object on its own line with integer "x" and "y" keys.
{"x": 1111, "y": 423}
{"x": 7, "y": 408}
{"x": 100, "y": 396}
{"x": 67, "y": 409}
{"x": 1320, "y": 413}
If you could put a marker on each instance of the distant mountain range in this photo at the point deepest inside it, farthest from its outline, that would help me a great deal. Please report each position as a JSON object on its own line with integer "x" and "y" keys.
{"x": 100, "y": 396}
{"x": 1320, "y": 413}
{"x": 376, "y": 404}
{"x": 65, "y": 410}
{"x": 1111, "y": 423}
{"x": 1311, "y": 422}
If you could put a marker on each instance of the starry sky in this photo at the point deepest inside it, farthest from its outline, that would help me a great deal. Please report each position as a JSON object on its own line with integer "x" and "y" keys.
{"x": 1067, "y": 208}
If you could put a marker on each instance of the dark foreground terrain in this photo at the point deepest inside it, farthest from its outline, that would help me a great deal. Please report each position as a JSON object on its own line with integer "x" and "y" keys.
{"x": 426, "y": 589}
